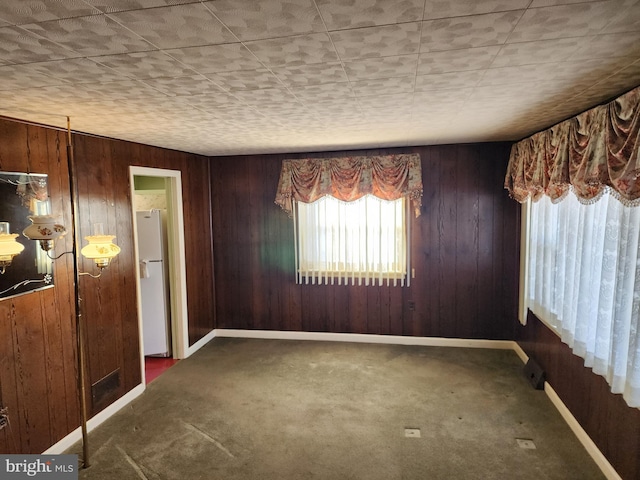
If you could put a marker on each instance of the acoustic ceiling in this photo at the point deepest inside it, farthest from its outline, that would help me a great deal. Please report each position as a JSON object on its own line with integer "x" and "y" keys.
{"x": 227, "y": 77}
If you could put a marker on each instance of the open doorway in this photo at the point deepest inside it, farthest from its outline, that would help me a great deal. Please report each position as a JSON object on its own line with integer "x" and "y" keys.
{"x": 156, "y": 199}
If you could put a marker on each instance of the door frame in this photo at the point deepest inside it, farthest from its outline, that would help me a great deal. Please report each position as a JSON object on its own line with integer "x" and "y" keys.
{"x": 176, "y": 261}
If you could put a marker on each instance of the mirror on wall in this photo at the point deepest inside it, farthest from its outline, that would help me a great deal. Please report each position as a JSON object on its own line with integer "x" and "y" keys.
{"x": 22, "y": 195}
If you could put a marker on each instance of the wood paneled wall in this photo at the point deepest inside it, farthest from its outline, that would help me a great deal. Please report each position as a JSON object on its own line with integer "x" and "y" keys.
{"x": 37, "y": 330}
{"x": 464, "y": 251}
{"x": 612, "y": 425}
{"x": 38, "y": 372}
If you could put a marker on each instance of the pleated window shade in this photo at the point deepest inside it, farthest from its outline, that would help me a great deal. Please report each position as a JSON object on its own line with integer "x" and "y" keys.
{"x": 363, "y": 242}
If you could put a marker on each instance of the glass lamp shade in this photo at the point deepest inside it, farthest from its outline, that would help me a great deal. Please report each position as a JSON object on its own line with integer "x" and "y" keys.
{"x": 101, "y": 249}
{"x": 45, "y": 229}
{"x": 9, "y": 248}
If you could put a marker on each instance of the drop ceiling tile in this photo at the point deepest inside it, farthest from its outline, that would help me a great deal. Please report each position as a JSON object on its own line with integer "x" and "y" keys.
{"x": 93, "y": 35}
{"x": 127, "y": 94}
{"x": 280, "y": 112}
{"x": 402, "y": 101}
{"x": 522, "y": 74}
{"x": 390, "y": 114}
{"x": 78, "y": 70}
{"x": 390, "y": 40}
{"x": 216, "y": 58}
{"x": 33, "y": 11}
{"x": 267, "y": 96}
{"x": 461, "y": 8}
{"x": 142, "y": 65}
{"x": 342, "y": 120}
{"x": 188, "y": 85}
{"x": 531, "y": 92}
{"x": 310, "y": 74}
{"x": 541, "y": 51}
{"x": 442, "y": 97}
{"x": 14, "y": 77}
{"x": 368, "y": 13}
{"x": 59, "y": 95}
{"x": 457, "y": 60}
{"x": 298, "y": 50}
{"x": 449, "y": 80}
{"x": 551, "y": 3}
{"x": 326, "y": 93}
{"x": 468, "y": 32}
{"x": 251, "y": 20}
{"x": 177, "y": 26}
{"x": 628, "y": 20}
{"x": 211, "y": 102}
{"x": 328, "y": 111}
{"x": 619, "y": 82}
{"x": 383, "y": 86}
{"x": 612, "y": 45}
{"x": 563, "y": 21}
{"x": 111, "y": 6}
{"x": 19, "y": 46}
{"x": 237, "y": 115}
{"x": 381, "y": 67}
{"x": 245, "y": 79}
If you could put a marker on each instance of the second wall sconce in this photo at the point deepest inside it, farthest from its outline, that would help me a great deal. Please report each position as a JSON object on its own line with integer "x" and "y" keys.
{"x": 44, "y": 229}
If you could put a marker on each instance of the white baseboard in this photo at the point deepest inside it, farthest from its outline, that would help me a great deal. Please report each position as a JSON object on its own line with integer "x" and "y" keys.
{"x": 200, "y": 343}
{"x": 584, "y": 438}
{"x": 520, "y": 352}
{"x": 366, "y": 338}
{"x": 67, "y": 442}
{"x": 591, "y": 448}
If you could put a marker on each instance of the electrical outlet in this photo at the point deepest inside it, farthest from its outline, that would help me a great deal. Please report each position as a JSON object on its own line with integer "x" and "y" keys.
{"x": 412, "y": 432}
{"x": 526, "y": 443}
{"x": 412, "y": 305}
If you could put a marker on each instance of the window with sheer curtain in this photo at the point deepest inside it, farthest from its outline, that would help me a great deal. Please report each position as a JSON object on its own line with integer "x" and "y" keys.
{"x": 363, "y": 242}
{"x": 581, "y": 178}
{"x": 584, "y": 281}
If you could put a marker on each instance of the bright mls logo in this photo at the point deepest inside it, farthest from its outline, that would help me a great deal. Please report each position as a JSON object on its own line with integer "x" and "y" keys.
{"x": 52, "y": 467}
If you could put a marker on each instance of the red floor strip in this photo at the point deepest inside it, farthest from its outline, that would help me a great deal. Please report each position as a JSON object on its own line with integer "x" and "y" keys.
{"x": 155, "y": 366}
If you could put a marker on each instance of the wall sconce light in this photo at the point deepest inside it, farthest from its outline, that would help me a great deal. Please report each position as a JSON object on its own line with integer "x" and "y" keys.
{"x": 9, "y": 246}
{"x": 44, "y": 229}
{"x": 101, "y": 248}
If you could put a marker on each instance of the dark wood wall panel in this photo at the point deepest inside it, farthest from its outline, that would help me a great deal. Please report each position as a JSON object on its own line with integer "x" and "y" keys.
{"x": 37, "y": 332}
{"x": 38, "y": 362}
{"x": 462, "y": 244}
{"x": 612, "y": 425}
{"x": 105, "y": 196}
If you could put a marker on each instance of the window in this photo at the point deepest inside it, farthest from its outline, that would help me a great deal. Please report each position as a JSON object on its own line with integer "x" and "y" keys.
{"x": 359, "y": 242}
{"x": 583, "y": 279}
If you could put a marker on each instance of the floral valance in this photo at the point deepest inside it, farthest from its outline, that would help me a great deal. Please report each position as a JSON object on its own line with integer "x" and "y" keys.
{"x": 388, "y": 177}
{"x": 590, "y": 152}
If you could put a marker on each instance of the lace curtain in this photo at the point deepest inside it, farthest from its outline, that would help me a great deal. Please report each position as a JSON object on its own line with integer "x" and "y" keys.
{"x": 582, "y": 270}
{"x": 388, "y": 177}
{"x": 584, "y": 279}
{"x": 596, "y": 149}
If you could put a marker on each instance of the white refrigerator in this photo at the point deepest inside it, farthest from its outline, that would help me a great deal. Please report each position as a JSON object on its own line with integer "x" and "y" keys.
{"x": 154, "y": 290}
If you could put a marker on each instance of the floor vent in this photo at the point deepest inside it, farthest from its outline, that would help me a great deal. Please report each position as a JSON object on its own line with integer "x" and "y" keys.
{"x": 105, "y": 389}
{"x": 534, "y": 374}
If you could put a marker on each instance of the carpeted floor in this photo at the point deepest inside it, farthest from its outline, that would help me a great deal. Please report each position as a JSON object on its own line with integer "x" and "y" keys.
{"x": 280, "y": 410}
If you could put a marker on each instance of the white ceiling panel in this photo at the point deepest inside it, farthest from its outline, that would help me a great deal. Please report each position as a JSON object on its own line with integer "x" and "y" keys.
{"x": 223, "y": 77}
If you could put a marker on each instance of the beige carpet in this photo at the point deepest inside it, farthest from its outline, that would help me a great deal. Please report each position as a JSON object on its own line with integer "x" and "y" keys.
{"x": 277, "y": 410}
